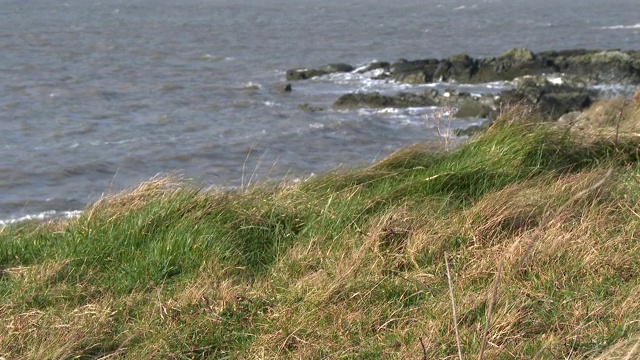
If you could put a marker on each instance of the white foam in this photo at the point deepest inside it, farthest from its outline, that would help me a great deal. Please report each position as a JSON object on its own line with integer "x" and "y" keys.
{"x": 250, "y": 86}
{"x": 555, "y": 80}
{"x": 361, "y": 68}
{"x": 388, "y": 111}
{"x": 621, "y": 27}
{"x": 271, "y": 103}
{"x": 46, "y": 215}
{"x": 216, "y": 58}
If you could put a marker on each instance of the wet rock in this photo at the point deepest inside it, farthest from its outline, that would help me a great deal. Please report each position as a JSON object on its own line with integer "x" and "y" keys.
{"x": 551, "y": 100}
{"x": 473, "y": 129}
{"x": 468, "y": 106}
{"x": 459, "y": 68}
{"x": 608, "y": 66}
{"x": 284, "y": 88}
{"x": 414, "y": 72}
{"x": 310, "y": 108}
{"x": 594, "y": 66}
{"x": 512, "y": 64}
{"x": 472, "y": 108}
{"x": 335, "y": 68}
{"x": 305, "y": 73}
{"x": 377, "y": 100}
{"x": 375, "y": 66}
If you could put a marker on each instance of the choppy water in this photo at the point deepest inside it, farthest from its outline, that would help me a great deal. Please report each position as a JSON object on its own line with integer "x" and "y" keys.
{"x": 99, "y": 95}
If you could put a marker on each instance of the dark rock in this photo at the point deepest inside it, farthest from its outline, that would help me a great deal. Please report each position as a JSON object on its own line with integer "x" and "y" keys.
{"x": 310, "y": 108}
{"x": 552, "y": 100}
{"x": 471, "y": 108}
{"x": 305, "y": 73}
{"x": 298, "y": 74}
{"x": 335, "y": 68}
{"x": 593, "y": 66}
{"x": 459, "y": 68}
{"x": 610, "y": 66}
{"x": 512, "y": 64}
{"x": 377, "y": 100}
{"x": 473, "y": 129}
{"x": 414, "y": 72}
{"x": 375, "y": 66}
{"x": 284, "y": 88}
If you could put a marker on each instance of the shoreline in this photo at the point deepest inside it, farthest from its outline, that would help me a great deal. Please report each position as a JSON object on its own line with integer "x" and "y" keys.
{"x": 361, "y": 263}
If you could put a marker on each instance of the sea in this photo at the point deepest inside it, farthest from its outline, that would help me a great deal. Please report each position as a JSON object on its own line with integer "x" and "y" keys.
{"x": 97, "y": 96}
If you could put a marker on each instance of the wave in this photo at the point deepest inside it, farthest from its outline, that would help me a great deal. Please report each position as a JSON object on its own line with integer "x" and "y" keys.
{"x": 250, "y": 86}
{"x": 621, "y": 27}
{"x": 215, "y": 58}
{"x": 43, "y": 216}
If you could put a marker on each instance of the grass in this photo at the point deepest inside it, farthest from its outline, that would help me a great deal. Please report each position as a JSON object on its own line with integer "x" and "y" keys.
{"x": 530, "y": 232}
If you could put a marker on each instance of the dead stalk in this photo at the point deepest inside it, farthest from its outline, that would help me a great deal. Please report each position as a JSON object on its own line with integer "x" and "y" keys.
{"x": 494, "y": 299}
{"x": 453, "y": 307}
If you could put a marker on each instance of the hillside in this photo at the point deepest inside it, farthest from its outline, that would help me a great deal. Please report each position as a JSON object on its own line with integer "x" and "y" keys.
{"x": 524, "y": 242}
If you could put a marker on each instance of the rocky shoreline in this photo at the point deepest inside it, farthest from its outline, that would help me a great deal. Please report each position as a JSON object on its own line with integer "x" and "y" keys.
{"x": 554, "y": 83}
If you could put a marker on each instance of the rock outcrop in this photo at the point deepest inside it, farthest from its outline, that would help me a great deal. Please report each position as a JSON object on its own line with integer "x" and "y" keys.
{"x": 551, "y": 100}
{"x": 305, "y": 73}
{"x": 377, "y": 100}
{"x": 556, "y": 84}
{"x": 468, "y": 106}
{"x": 591, "y": 66}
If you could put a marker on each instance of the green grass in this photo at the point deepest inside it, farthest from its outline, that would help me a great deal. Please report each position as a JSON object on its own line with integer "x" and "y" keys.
{"x": 350, "y": 264}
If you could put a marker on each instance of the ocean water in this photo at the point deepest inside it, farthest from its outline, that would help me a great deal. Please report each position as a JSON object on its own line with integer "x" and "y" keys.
{"x": 97, "y": 96}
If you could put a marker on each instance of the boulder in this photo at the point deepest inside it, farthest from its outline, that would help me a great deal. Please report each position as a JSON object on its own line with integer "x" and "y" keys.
{"x": 310, "y": 108}
{"x": 468, "y": 106}
{"x": 471, "y": 108}
{"x": 306, "y": 73}
{"x": 459, "y": 67}
{"x": 336, "y": 68}
{"x": 414, "y": 72}
{"x": 552, "y": 100}
{"x": 284, "y": 88}
{"x": 377, "y": 100}
{"x": 609, "y": 66}
{"x": 375, "y": 66}
{"x": 517, "y": 55}
{"x": 593, "y": 66}
{"x": 512, "y": 64}
{"x": 473, "y": 129}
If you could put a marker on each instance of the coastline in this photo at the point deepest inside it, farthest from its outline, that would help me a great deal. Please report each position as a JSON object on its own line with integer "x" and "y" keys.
{"x": 363, "y": 262}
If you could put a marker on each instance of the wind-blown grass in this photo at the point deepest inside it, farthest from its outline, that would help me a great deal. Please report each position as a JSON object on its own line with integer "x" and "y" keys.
{"x": 351, "y": 264}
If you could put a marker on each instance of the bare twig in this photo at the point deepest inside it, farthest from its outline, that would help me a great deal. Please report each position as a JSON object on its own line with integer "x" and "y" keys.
{"x": 619, "y": 117}
{"x": 244, "y": 164}
{"x": 424, "y": 349}
{"x": 453, "y": 307}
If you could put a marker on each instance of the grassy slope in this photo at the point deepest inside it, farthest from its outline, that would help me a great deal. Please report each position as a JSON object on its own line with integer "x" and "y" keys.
{"x": 539, "y": 227}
